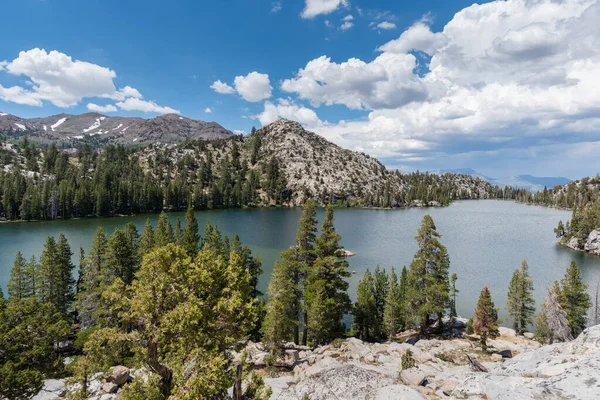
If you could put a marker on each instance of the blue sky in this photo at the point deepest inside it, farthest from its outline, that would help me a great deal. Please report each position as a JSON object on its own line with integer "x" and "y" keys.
{"x": 503, "y": 87}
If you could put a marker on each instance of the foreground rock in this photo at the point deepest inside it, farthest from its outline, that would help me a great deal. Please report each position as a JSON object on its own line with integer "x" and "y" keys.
{"x": 354, "y": 369}
{"x": 359, "y": 370}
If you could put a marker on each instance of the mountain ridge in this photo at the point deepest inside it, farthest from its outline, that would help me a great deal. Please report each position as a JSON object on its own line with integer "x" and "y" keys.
{"x": 73, "y": 130}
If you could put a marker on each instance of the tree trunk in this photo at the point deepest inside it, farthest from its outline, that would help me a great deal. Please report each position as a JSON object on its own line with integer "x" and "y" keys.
{"x": 237, "y": 387}
{"x": 305, "y": 329}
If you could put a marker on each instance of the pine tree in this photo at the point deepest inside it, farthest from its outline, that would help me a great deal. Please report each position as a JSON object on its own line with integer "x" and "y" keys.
{"x": 147, "y": 240}
{"x": 49, "y": 273}
{"x": 175, "y": 305}
{"x": 164, "y": 231}
{"x": 428, "y": 276}
{"x": 552, "y": 324}
{"x": 121, "y": 259}
{"x": 365, "y": 308}
{"x": 17, "y": 286}
{"x": 521, "y": 305}
{"x": 66, "y": 281}
{"x": 325, "y": 292}
{"x": 191, "y": 238}
{"x": 485, "y": 323}
{"x": 32, "y": 277}
{"x": 297, "y": 261}
{"x": 281, "y": 318}
{"x": 577, "y": 301}
{"x": 29, "y": 332}
{"x": 403, "y": 289}
{"x": 178, "y": 233}
{"x": 453, "y": 292}
{"x": 380, "y": 282}
{"x": 89, "y": 297}
{"x": 392, "y": 314}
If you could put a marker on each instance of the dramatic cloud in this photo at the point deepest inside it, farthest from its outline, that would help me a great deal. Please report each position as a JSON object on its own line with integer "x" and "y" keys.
{"x": 101, "y": 109}
{"x": 386, "y": 82}
{"x": 132, "y": 104}
{"x": 285, "y": 108}
{"x": 56, "y": 78}
{"x": 507, "y": 76}
{"x": 319, "y": 7}
{"x": 253, "y": 87}
{"x": 222, "y": 88}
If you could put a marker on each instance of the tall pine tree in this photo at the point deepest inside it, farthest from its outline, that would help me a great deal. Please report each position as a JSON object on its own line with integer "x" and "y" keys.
{"x": 576, "y": 301}
{"x": 428, "y": 276}
{"x": 485, "y": 323}
{"x": 521, "y": 305}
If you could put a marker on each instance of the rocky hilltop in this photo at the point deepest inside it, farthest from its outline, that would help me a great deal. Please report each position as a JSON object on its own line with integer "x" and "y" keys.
{"x": 308, "y": 165}
{"x": 96, "y": 129}
{"x": 514, "y": 367}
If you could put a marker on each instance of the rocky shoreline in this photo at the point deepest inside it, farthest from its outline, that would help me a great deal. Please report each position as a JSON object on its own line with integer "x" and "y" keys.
{"x": 590, "y": 245}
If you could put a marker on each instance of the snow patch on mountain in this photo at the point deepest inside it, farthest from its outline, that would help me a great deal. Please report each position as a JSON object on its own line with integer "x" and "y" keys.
{"x": 58, "y": 123}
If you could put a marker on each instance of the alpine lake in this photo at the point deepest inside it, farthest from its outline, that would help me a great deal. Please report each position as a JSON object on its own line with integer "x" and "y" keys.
{"x": 486, "y": 241}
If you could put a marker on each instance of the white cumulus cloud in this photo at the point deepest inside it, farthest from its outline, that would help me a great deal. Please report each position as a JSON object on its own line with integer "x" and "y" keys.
{"x": 58, "y": 79}
{"x": 253, "y": 87}
{"x": 133, "y": 104}
{"x": 511, "y": 75}
{"x": 101, "y": 109}
{"x": 208, "y": 110}
{"x": 319, "y": 7}
{"x": 222, "y": 87}
{"x": 386, "y": 82}
{"x": 288, "y": 109}
{"x": 386, "y": 25}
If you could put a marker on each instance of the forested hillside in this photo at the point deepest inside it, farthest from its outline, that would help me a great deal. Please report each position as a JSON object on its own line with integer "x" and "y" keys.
{"x": 278, "y": 165}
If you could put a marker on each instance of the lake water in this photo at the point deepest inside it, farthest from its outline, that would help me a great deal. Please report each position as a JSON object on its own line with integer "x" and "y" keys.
{"x": 486, "y": 240}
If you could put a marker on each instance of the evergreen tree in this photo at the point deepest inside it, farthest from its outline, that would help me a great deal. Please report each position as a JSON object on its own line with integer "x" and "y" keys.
{"x": 66, "y": 281}
{"x": 49, "y": 273}
{"x": 453, "y": 292}
{"x": 325, "y": 293}
{"x": 147, "y": 240}
{"x": 281, "y": 318}
{"x": 393, "y": 311}
{"x": 191, "y": 238}
{"x": 176, "y": 304}
{"x": 380, "y": 285}
{"x": 296, "y": 262}
{"x": 552, "y": 324}
{"x": 403, "y": 292}
{"x": 32, "y": 277}
{"x": 365, "y": 308}
{"x": 428, "y": 276}
{"x": 121, "y": 259}
{"x": 576, "y": 301}
{"x": 29, "y": 334}
{"x": 485, "y": 323}
{"x": 89, "y": 297}
{"x": 17, "y": 285}
{"x": 164, "y": 231}
{"x": 521, "y": 305}
{"x": 178, "y": 233}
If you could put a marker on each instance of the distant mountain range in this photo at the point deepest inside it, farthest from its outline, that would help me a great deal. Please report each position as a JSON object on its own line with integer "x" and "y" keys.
{"x": 533, "y": 183}
{"x": 98, "y": 129}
